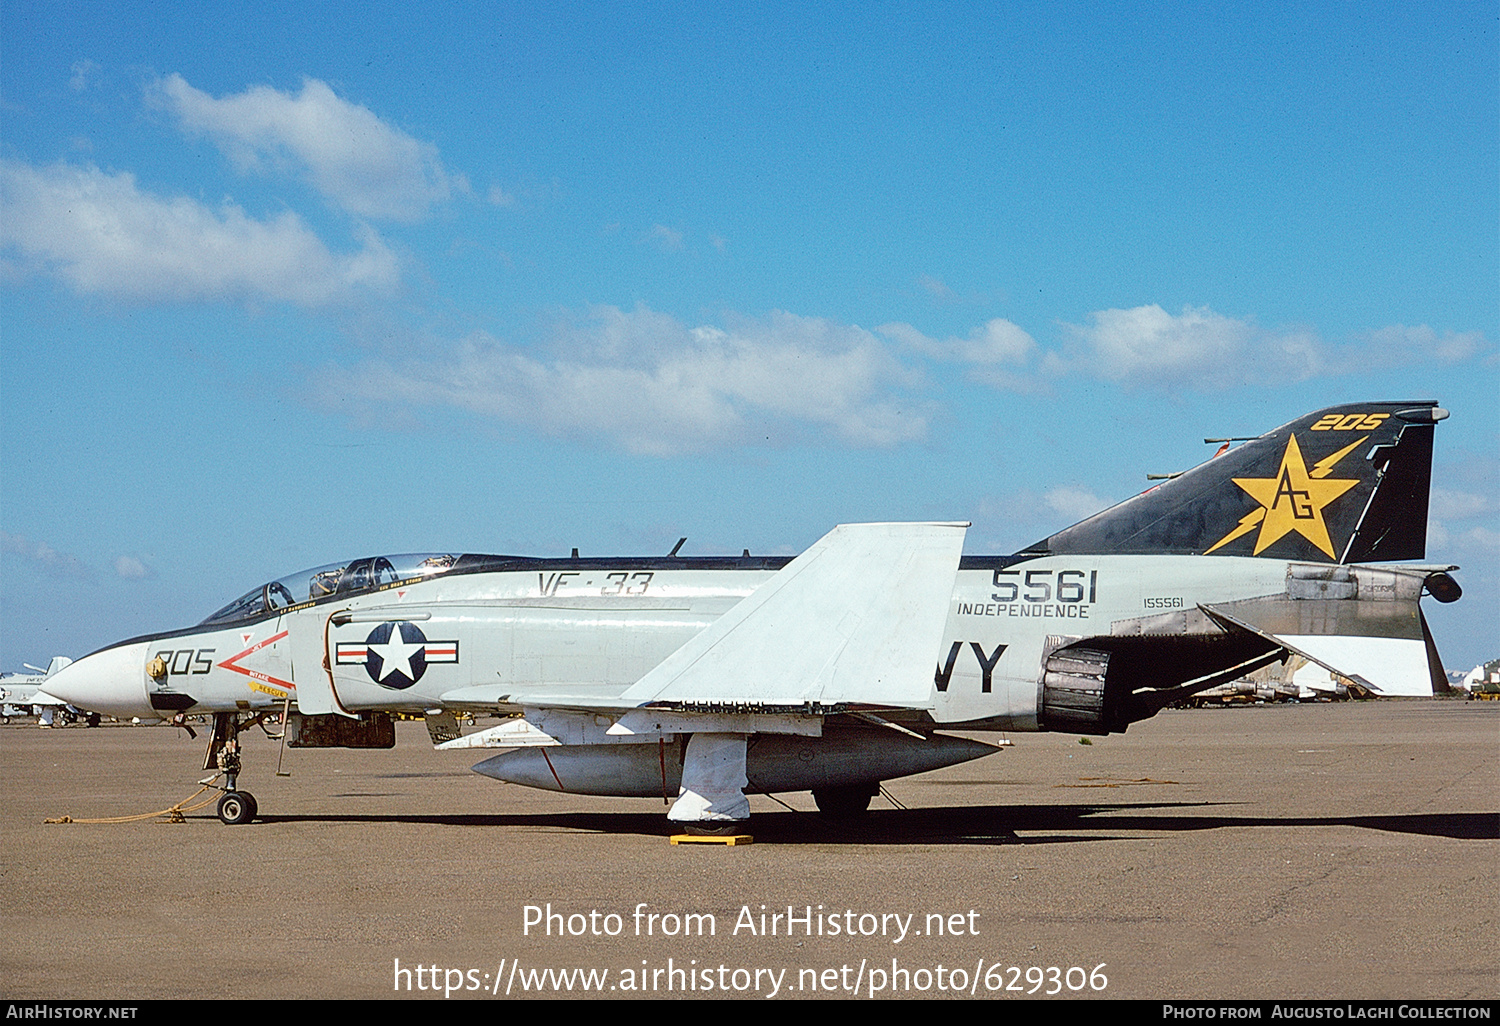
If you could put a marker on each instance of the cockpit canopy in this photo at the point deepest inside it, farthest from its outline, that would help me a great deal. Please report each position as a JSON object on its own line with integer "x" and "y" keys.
{"x": 333, "y": 579}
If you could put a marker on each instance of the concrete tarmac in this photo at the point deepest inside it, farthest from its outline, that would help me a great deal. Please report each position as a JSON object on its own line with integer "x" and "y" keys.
{"x": 1331, "y": 851}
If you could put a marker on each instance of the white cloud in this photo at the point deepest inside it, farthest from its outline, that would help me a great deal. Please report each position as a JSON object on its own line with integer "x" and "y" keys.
{"x": 1463, "y": 525}
{"x": 351, "y": 156}
{"x": 937, "y": 289}
{"x": 1444, "y": 542}
{"x": 652, "y": 385}
{"x": 1399, "y": 344}
{"x": 1200, "y": 349}
{"x": 669, "y": 239}
{"x": 101, "y": 233}
{"x": 1074, "y": 502}
{"x": 998, "y": 353}
{"x": 1483, "y": 538}
{"x": 995, "y": 342}
{"x": 1009, "y": 521}
{"x": 1147, "y": 345}
{"x": 1203, "y": 349}
{"x": 82, "y": 70}
{"x": 131, "y": 568}
{"x": 1448, "y": 504}
{"x": 60, "y": 564}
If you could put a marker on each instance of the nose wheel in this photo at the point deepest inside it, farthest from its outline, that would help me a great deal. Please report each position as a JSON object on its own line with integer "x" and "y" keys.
{"x": 237, "y": 807}
{"x": 845, "y": 802}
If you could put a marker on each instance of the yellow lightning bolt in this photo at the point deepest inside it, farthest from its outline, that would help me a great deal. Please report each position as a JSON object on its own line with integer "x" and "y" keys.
{"x": 1324, "y": 466}
{"x": 1292, "y": 500}
{"x": 1247, "y": 523}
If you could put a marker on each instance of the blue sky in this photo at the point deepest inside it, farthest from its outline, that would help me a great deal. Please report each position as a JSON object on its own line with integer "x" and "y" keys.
{"x": 286, "y": 284}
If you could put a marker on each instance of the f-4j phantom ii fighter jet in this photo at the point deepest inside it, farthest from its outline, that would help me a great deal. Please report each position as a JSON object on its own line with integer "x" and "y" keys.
{"x": 702, "y": 679}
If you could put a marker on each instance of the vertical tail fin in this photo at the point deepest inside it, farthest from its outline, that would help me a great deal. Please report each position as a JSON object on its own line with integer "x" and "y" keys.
{"x": 1346, "y": 484}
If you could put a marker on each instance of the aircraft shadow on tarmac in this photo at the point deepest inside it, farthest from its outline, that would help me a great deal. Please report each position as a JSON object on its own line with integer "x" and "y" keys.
{"x": 981, "y": 824}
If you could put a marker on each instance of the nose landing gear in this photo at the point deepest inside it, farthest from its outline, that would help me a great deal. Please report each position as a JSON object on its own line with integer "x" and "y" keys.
{"x": 236, "y": 806}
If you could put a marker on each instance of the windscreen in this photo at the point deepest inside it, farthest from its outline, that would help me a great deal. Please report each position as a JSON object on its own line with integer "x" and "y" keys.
{"x": 334, "y": 579}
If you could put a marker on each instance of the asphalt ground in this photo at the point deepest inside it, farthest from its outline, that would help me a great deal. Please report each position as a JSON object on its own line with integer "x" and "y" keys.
{"x": 1319, "y": 852}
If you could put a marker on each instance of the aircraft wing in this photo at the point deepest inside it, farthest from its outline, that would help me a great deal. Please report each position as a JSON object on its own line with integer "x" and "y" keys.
{"x": 855, "y": 621}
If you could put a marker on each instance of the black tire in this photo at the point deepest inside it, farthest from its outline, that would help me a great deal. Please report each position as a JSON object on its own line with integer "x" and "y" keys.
{"x": 714, "y": 828}
{"x": 236, "y": 808}
{"x": 845, "y": 802}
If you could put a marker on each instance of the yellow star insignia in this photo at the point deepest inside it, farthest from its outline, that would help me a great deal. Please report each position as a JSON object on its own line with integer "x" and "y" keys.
{"x": 1293, "y": 500}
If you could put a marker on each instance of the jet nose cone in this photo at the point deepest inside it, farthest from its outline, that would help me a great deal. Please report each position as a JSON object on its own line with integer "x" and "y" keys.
{"x": 112, "y": 682}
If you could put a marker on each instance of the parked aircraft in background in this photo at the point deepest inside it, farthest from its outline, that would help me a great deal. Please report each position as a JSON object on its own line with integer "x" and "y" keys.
{"x": 704, "y": 678}
{"x": 18, "y": 692}
{"x": 23, "y": 694}
{"x": 1295, "y": 680}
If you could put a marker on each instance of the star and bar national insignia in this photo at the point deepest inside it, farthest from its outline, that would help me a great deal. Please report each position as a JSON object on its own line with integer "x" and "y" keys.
{"x": 1292, "y": 500}
{"x": 396, "y": 654}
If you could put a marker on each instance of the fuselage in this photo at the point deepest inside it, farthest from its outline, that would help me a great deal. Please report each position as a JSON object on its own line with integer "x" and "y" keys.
{"x": 1256, "y": 553}
{"x": 500, "y": 627}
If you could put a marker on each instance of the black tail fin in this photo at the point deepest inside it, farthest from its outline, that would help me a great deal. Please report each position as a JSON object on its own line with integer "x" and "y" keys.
{"x": 1347, "y": 484}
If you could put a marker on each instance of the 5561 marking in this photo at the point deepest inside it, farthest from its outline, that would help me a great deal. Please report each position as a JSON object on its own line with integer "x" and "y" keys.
{"x": 1038, "y": 588}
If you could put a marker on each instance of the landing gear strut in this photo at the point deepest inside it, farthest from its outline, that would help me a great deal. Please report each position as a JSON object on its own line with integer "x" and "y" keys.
{"x": 711, "y": 801}
{"x": 224, "y": 755}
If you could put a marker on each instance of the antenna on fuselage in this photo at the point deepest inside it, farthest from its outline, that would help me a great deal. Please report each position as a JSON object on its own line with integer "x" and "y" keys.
{"x": 1207, "y": 441}
{"x": 676, "y": 547}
